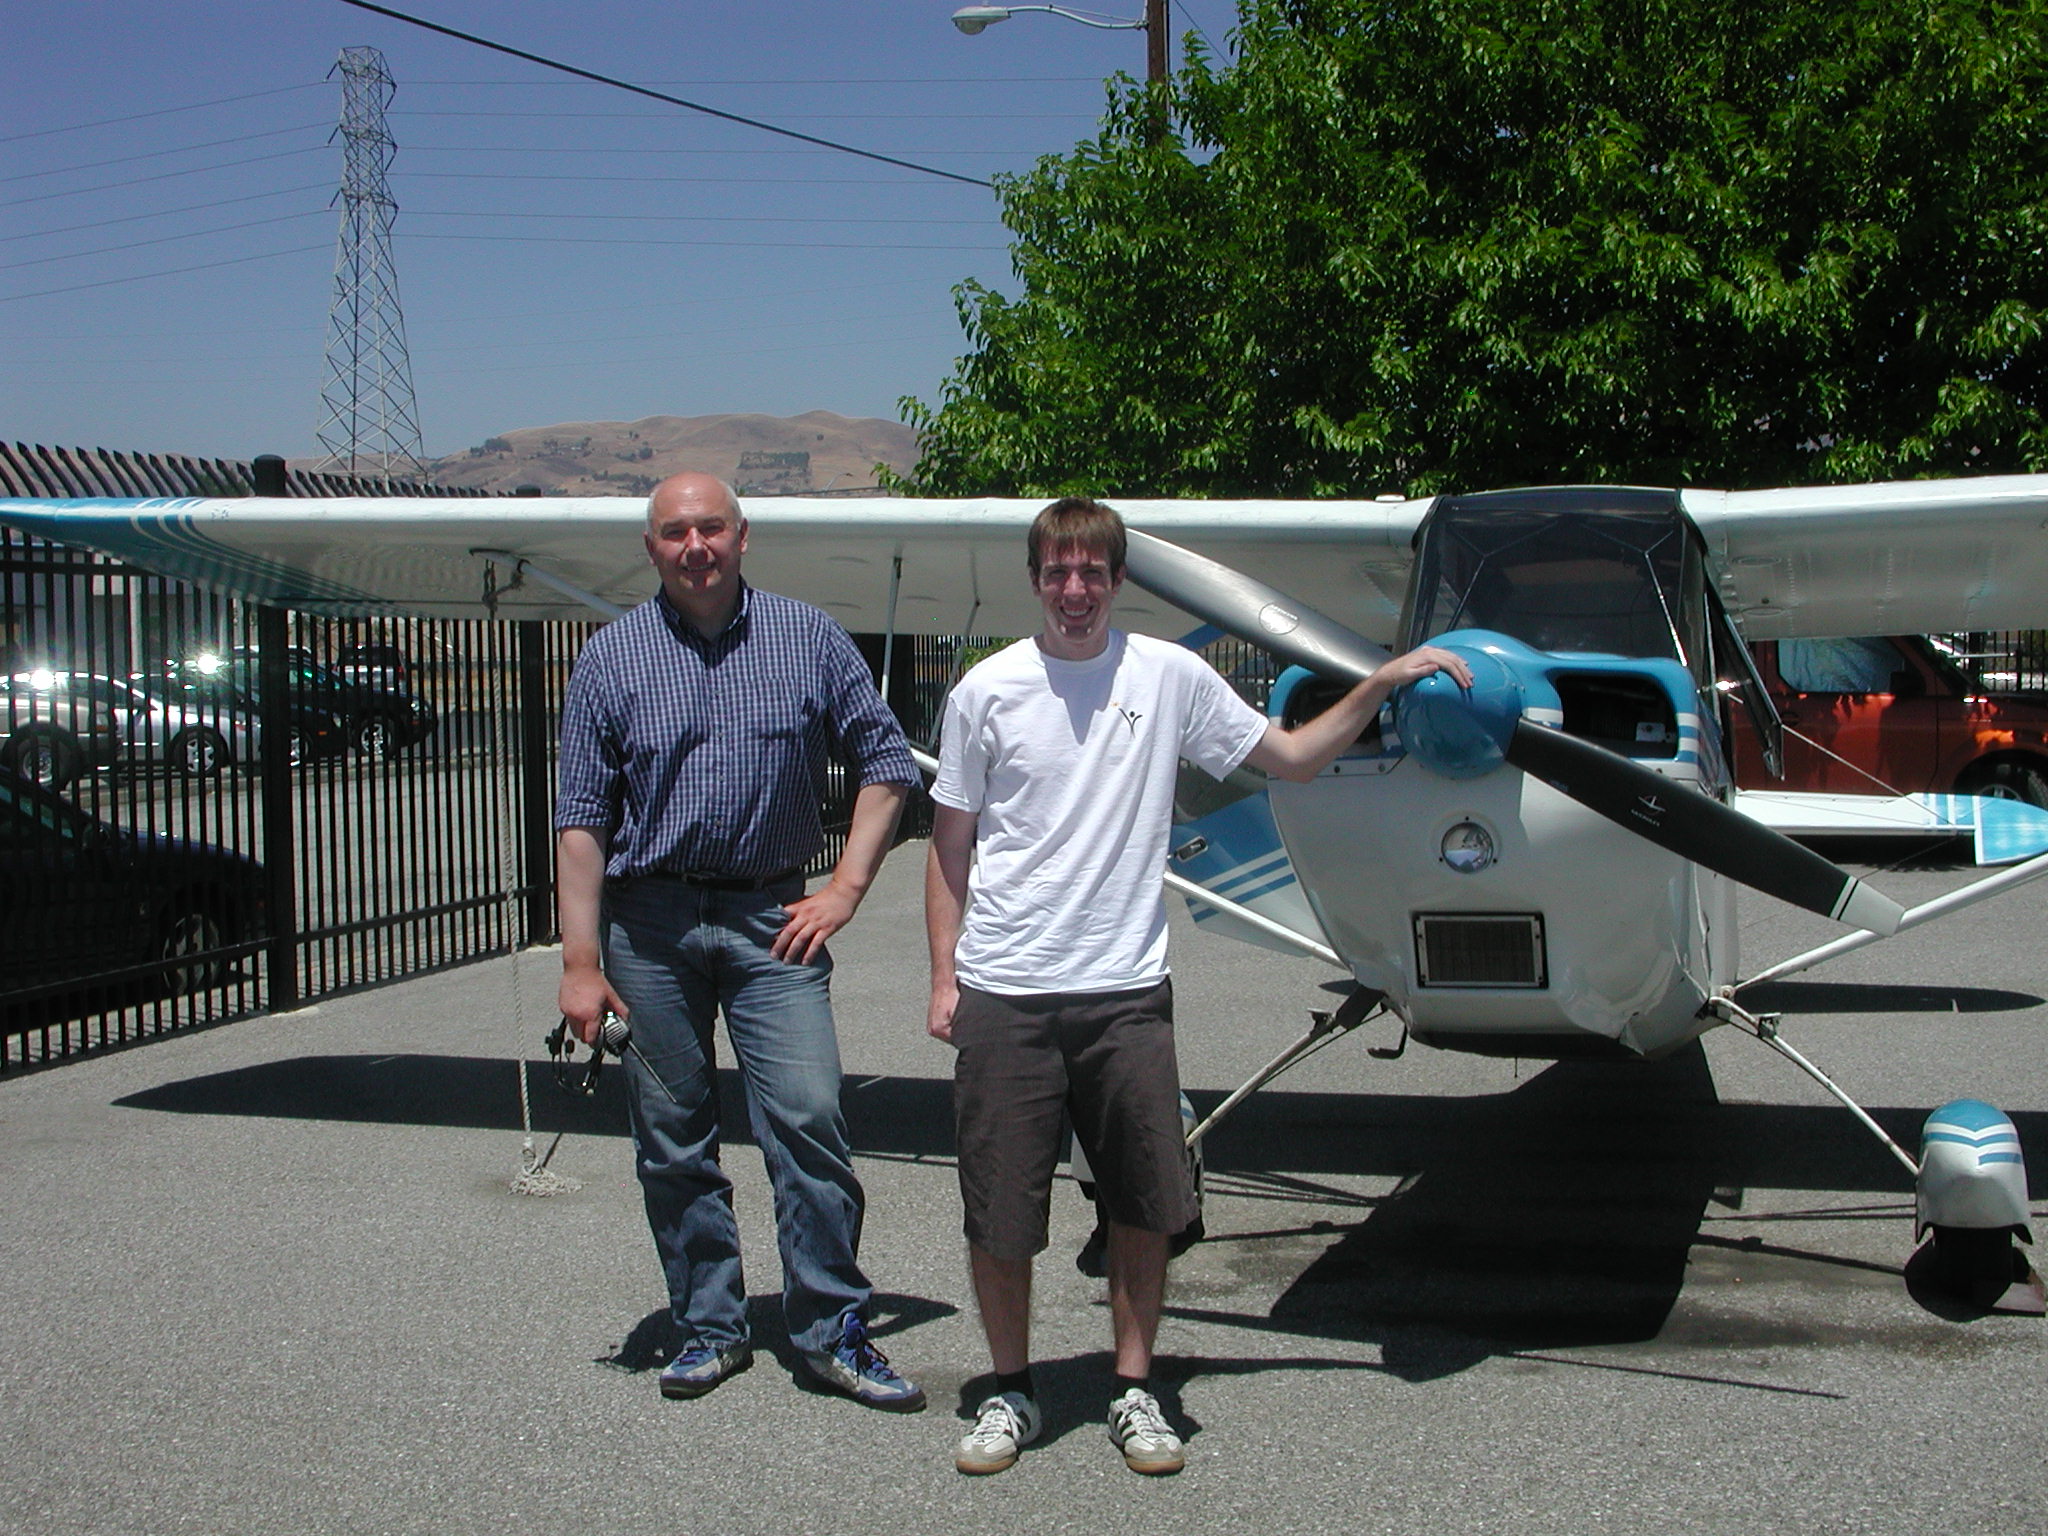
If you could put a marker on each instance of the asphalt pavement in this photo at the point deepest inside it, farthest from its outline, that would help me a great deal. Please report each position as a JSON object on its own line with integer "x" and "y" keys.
{"x": 270, "y": 1277}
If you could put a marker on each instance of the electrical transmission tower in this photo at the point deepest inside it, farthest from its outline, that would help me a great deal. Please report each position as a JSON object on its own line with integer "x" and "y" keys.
{"x": 369, "y": 422}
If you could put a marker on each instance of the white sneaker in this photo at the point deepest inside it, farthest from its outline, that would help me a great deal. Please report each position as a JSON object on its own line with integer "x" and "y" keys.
{"x": 1140, "y": 1431}
{"x": 1003, "y": 1426}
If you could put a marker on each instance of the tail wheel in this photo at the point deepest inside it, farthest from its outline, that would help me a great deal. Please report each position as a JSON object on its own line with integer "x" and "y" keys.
{"x": 45, "y": 756}
{"x": 1977, "y": 1261}
{"x": 190, "y": 932}
{"x": 199, "y": 753}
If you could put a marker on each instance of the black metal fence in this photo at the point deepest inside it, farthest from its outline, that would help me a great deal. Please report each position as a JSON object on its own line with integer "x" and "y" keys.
{"x": 210, "y": 807}
{"x": 213, "y": 851}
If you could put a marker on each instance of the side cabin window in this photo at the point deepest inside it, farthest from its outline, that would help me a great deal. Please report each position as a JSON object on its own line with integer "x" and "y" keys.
{"x": 1861, "y": 665}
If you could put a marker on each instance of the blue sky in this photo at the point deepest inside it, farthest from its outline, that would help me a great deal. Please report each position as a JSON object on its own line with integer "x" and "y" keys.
{"x": 565, "y": 251}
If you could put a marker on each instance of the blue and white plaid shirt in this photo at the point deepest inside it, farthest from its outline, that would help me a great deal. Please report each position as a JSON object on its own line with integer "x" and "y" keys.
{"x": 706, "y": 756}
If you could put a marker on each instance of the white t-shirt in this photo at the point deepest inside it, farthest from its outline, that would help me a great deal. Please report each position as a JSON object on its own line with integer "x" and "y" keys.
{"x": 1069, "y": 767}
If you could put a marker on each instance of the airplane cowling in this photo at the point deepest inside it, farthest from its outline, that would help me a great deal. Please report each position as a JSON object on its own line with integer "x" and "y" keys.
{"x": 1972, "y": 1176}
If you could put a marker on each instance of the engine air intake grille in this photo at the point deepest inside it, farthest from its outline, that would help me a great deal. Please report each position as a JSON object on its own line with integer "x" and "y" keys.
{"x": 1494, "y": 949}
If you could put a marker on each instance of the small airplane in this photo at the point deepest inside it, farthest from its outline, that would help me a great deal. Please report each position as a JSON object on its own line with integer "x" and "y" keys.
{"x": 1543, "y": 865}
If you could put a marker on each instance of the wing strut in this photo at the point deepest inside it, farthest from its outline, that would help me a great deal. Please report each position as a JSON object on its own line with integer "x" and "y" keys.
{"x": 1965, "y": 896}
{"x": 1765, "y": 1027}
{"x": 889, "y": 634}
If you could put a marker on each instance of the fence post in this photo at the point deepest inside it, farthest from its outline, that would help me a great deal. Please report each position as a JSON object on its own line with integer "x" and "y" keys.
{"x": 537, "y": 863}
{"x": 280, "y": 861}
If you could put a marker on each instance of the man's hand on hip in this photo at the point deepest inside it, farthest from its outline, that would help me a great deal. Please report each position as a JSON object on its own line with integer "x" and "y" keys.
{"x": 812, "y": 920}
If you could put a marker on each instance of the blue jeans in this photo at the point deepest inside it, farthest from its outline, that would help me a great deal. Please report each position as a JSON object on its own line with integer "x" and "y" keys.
{"x": 679, "y": 955}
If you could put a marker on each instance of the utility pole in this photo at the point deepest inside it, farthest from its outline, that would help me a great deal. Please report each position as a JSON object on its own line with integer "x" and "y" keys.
{"x": 369, "y": 422}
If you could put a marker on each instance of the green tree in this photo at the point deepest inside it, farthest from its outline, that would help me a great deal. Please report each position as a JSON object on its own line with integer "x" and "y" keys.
{"x": 1429, "y": 245}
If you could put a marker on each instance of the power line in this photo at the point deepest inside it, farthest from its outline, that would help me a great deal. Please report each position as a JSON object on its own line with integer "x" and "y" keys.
{"x": 139, "y": 277}
{"x": 869, "y": 117}
{"x": 976, "y": 82}
{"x": 777, "y": 294}
{"x": 637, "y": 338}
{"x": 165, "y": 213}
{"x": 641, "y": 90}
{"x": 1188, "y": 16}
{"x": 136, "y": 245}
{"x": 152, "y": 154}
{"x": 723, "y": 181}
{"x": 553, "y": 217}
{"x": 136, "y": 117}
{"x": 752, "y": 245}
{"x": 610, "y": 153}
{"x": 137, "y": 181}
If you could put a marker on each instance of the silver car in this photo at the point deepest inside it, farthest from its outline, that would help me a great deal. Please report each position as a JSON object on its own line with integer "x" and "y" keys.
{"x": 139, "y": 724}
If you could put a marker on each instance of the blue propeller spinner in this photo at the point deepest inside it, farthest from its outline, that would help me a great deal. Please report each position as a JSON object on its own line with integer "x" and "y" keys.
{"x": 1462, "y": 733}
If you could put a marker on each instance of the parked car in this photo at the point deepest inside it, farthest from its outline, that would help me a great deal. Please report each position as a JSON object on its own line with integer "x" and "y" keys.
{"x": 379, "y": 666}
{"x": 82, "y": 901}
{"x": 142, "y": 723}
{"x": 377, "y": 722}
{"x": 196, "y": 734}
{"x": 1891, "y": 713}
{"x": 53, "y": 734}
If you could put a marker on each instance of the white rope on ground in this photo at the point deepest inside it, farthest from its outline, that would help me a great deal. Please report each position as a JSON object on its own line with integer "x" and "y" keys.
{"x": 535, "y": 1177}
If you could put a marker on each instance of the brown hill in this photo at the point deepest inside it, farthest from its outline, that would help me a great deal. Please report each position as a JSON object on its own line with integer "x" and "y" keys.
{"x": 761, "y": 455}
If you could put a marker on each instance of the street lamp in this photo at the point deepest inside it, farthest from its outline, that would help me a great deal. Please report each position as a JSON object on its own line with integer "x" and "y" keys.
{"x": 977, "y": 18}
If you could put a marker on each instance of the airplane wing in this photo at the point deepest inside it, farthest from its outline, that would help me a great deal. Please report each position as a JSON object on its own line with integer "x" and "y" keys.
{"x": 962, "y": 561}
{"x": 1909, "y": 558}
{"x": 2002, "y": 831}
{"x": 1903, "y": 558}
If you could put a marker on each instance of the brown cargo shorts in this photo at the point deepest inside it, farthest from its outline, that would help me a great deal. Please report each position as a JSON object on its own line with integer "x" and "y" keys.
{"x": 1025, "y": 1065}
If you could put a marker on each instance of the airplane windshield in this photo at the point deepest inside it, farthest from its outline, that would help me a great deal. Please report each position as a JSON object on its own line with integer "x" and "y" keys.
{"x": 1624, "y": 582}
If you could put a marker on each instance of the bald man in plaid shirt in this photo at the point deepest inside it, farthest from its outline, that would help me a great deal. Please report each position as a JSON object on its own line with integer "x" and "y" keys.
{"x": 692, "y": 737}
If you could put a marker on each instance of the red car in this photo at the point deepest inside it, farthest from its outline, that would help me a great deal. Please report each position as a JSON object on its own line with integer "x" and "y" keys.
{"x": 1889, "y": 713}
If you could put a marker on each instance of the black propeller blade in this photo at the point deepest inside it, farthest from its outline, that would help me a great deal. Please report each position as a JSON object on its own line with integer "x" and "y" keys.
{"x": 1698, "y": 827}
{"x": 1673, "y": 816}
{"x": 1249, "y": 609}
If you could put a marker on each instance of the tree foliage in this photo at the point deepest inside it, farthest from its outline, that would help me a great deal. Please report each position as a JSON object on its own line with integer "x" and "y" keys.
{"x": 1428, "y": 245}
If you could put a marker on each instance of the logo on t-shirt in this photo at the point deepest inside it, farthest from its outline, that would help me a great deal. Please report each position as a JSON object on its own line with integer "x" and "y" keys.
{"x": 1130, "y": 716}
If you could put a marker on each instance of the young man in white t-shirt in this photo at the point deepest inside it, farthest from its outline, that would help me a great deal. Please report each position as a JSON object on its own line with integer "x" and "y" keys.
{"x": 1047, "y": 922}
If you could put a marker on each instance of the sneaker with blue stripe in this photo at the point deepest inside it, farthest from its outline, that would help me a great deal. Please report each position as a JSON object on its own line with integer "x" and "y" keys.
{"x": 854, "y": 1366}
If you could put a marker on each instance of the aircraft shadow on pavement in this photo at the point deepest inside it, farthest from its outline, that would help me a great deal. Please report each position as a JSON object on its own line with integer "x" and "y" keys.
{"x": 900, "y": 1116}
{"x": 1559, "y": 1213}
{"x": 1822, "y": 997}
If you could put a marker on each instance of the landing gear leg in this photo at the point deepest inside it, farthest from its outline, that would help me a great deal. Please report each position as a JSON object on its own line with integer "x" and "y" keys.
{"x": 1978, "y": 1265}
{"x": 1323, "y": 1027}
